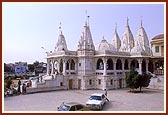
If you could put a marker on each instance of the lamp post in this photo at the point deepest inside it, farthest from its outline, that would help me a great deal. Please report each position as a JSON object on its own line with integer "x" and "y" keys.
{"x": 44, "y": 49}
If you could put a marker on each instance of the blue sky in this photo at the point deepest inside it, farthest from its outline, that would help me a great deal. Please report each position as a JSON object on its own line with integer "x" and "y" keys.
{"x": 29, "y": 26}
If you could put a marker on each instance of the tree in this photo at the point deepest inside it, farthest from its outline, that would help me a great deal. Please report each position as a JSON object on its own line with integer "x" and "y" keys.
{"x": 8, "y": 82}
{"x": 7, "y": 68}
{"x": 31, "y": 67}
{"x": 36, "y": 63}
{"x": 131, "y": 79}
{"x": 144, "y": 80}
{"x": 135, "y": 80}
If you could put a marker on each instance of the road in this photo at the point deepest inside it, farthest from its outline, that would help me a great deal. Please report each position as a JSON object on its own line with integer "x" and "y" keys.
{"x": 120, "y": 100}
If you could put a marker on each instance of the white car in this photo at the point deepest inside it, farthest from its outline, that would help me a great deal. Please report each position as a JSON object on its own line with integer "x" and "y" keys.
{"x": 96, "y": 101}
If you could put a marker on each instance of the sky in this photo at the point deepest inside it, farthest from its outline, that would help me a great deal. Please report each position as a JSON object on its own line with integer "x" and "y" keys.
{"x": 26, "y": 27}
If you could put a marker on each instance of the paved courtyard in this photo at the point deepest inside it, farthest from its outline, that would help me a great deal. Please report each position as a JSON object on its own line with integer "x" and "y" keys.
{"x": 120, "y": 100}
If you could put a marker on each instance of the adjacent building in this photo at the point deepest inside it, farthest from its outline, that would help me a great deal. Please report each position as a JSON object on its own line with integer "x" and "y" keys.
{"x": 20, "y": 68}
{"x": 157, "y": 46}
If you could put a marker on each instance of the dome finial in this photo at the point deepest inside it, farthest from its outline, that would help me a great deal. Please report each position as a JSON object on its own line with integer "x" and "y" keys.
{"x": 141, "y": 21}
{"x": 115, "y": 27}
{"x": 127, "y": 21}
{"x": 87, "y": 19}
{"x": 60, "y": 28}
{"x": 103, "y": 40}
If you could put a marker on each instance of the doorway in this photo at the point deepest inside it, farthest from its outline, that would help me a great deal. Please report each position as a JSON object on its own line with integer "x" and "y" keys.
{"x": 79, "y": 83}
{"x": 120, "y": 83}
{"x": 70, "y": 83}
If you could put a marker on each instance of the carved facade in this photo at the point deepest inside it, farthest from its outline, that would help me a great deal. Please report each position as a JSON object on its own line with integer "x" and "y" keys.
{"x": 101, "y": 67}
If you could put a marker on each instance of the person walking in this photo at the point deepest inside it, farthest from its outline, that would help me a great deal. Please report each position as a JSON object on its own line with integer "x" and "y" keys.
{"x": 19, "y": 83}
{"x": 106, "y": 95}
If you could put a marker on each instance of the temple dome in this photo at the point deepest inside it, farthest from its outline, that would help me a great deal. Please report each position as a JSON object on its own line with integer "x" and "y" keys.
{"x": 61, "y": 44}
{"x": 104, "y": 45}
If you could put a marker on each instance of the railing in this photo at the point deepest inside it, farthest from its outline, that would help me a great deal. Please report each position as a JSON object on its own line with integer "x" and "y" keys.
{"x": 111, "y": 72}
{"x": 158, "y": 72}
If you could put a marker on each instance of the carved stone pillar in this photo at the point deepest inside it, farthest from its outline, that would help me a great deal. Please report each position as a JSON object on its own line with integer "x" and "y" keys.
{"x": 76, "y": 66}
{"x": 52, "y": 66}
{"x": 104, "y": 84}
{"x": 140, "y": 66}
{"x": 114, "y": 66}
{"x": 48, "y": 67}
{"x": 64, "y": 67}
{"x": 105, "y": 66}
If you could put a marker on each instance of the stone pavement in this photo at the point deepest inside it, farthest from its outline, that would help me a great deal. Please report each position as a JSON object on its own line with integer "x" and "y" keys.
{"x": 120, "y": 100}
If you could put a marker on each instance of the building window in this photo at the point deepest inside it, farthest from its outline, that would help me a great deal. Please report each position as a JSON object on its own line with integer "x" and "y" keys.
{"x": 157, "y": 49}
{"x": 72, "y": 65}
{"x": 111, "y": 82}
{"x": 79, "y": 64}
{"x": 99, "y": 81}
{"x": 67, "y": 66}
{"x": 119, "y": 65}
{"x": 90, "y": 82}
{"x": 100, "y": 65}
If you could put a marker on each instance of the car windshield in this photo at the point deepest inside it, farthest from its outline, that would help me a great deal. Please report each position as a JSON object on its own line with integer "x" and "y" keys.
{"x": 64, "y": 108}
{"x": 95, "y": 98}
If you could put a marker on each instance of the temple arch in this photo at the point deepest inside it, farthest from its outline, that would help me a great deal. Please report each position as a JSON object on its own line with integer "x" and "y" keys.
{"x": 110, "y": 64}
{"x": 119, "y": 64}
{"x": 99, "y": 64}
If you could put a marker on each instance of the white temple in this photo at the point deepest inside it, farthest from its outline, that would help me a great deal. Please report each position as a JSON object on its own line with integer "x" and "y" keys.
{"x": 103, "y": 66}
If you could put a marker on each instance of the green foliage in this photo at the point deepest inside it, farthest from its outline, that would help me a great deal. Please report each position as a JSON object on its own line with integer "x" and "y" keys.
{"x": 36, "y": 63}
{"x": 31, "y": 67}
{"x": 135, "y": 80}
{"x": 7, "y": 83}
{"x": 7, "y": 68}
{"x": 144, "y": 80}
{"x": 131, "y": 79}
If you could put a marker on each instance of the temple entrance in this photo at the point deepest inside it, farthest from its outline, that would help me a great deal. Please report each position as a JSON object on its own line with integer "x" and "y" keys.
{"x": 79, "y": 83}
{"x": 70, "y": 83}
{"x": 120, "y": 83}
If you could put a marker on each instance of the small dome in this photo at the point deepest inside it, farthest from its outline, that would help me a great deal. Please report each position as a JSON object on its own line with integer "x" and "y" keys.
{"x": 104, "y": 45}
{"x": 61, "y": 44}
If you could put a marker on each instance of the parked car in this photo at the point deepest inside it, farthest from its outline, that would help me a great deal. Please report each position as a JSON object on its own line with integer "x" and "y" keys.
{"x": 96, "y": 101}
{"x": 72, "y": 106}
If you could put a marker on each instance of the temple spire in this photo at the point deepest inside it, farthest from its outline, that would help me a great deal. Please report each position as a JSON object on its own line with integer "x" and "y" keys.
{"x": 86, "y": 41}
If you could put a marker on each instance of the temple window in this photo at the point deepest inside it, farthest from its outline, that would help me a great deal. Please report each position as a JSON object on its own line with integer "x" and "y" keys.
{"x": 157, "y": 49}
